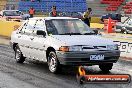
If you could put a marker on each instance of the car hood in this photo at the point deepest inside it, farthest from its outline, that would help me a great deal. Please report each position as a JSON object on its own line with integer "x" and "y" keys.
{"x": 15, "y": 17}
{"x": 70, "y": 40}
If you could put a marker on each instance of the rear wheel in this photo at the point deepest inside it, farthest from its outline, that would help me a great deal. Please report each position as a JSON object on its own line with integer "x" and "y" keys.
{"x": 106, "y": 67}
{"x": 7, "y": 19}
{"x": 18, "y": 55}
{"x": 26, "y": 18}
{"x": 53, "y": 63}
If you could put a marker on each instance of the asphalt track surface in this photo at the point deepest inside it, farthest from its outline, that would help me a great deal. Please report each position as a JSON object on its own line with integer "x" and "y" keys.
{"x": 32, "y": 74}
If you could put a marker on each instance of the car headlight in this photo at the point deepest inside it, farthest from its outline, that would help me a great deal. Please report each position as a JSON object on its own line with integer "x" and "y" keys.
{"x": 70, "y": 48}
{"x": 112, "y": 47}
{"x": 75, "y": 48}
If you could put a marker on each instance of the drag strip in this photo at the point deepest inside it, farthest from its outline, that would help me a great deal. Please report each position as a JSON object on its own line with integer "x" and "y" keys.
{"x": 37, "y": 75}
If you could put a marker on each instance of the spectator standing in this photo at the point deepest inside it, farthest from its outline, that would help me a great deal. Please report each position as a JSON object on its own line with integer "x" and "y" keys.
{"x": 31, "y": 12}
{"x": 90, "y": 11}
{"x": 53, "y": 13}
{"x": 13, "y": 7}
{"x": 7, "y": 7}
{"x": 87, "y": 16}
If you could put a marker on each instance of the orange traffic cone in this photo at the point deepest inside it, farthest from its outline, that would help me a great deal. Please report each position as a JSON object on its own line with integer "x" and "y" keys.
{"x": 109, "y": 27}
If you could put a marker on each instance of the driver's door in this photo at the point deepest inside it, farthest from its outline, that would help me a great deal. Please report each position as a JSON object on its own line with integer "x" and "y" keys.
{"x": 39, "y": 42}
{"x": 24, "y": 38}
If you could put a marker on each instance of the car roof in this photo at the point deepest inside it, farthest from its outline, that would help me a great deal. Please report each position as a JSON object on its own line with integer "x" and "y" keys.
{"x": 51, "y": 18}
{"x": 10, "y": 10}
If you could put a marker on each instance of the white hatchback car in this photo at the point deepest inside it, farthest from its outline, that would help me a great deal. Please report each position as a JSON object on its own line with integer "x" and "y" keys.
{"x": 62, "y": 41}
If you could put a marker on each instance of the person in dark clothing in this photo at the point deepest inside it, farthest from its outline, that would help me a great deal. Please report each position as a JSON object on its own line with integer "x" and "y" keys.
{"x": 31, "y": 12}
{"x": 87, "y": 16}
{"x": 90, "y": 11}
{"x": 53, "y": 13}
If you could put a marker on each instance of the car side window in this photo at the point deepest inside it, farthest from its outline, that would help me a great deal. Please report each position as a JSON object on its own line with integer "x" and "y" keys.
{"x": 51, "y": 29}
{"x": 39, "y": 26}
{"x": 28, "y": 27}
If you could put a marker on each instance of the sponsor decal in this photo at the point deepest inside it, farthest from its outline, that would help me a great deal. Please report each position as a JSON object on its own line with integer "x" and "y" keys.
{"x": 83, "y": 78}
{"x": 124, "y": 46}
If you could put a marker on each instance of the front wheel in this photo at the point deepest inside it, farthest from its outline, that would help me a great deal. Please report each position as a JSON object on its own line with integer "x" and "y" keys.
{"x": 125, "y": 32}
{"x": 106, "y": 67}
{"x": 18, "y": 55}
{"x": 53, "y": 63}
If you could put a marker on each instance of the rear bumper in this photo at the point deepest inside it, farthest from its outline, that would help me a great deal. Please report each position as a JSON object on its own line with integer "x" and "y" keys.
{"x": 14, "y": 19}
{"x": 83, "y": 58}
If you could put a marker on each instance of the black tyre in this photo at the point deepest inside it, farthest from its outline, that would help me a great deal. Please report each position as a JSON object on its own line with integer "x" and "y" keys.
{"x": 53, "y": 63}
{"x": 125, "y": 32}
{"x": 122, "y": 31}
{"x": 27, "y": 18}
{"x": 106, "y": 67}
{"x": 7, "y": 19}
{"x": 18, "y": 55}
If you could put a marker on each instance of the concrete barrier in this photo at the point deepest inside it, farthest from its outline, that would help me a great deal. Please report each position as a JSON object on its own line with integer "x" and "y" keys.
{"x": 125, "y": 48}
{"x": 96, "y": 25}
{"x": 124, "y": 44}
{"x": 95, "y": 20}
{"x": 6, "y": 27}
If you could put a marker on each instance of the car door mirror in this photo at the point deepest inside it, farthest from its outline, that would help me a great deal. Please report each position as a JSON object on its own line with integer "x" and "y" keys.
{"x": 41, "y": 32}
{"x": 97, "y": 32}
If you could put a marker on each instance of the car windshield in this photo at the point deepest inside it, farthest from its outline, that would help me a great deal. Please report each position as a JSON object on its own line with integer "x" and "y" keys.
{"x": 68, "y": 27}
{"x": 11, "y": 13}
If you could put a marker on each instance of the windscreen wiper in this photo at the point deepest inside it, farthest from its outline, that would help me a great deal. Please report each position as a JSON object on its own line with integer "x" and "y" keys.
{"x": 89, "y": 33}
{"x": 71, "y": 34}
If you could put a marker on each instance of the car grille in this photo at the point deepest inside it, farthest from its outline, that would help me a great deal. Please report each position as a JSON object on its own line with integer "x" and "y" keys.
{"x": 100, "y": 48}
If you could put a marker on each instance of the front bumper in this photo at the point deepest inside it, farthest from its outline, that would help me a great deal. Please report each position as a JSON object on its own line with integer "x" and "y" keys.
{"x": 83, "y": 58}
